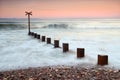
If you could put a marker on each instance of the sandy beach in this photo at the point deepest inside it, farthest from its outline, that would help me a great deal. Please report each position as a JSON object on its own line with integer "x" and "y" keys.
{"x": 62, "y": 73}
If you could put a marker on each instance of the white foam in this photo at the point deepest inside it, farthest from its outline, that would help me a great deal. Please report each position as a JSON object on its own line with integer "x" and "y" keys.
{"x": 18, "y": 50}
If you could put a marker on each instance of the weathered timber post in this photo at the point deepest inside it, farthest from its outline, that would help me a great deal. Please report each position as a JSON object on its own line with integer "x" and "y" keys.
{"x": 48, "y": 40}
{"x": 102, "y": 60}
{"x": 32, "y": 33}
{"x": 38, "y": 36}
{"x": 29, "y": 33}
{"x": 65, "y": 47}
{"x": 56, "y": 43}
{"x": 43, "y": 38}
{"x": 35, "y": 35}
{"x": 80, "y": 52}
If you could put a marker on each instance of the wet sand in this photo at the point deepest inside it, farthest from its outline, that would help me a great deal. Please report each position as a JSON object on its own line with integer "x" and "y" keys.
{"x": 62, "y": 73}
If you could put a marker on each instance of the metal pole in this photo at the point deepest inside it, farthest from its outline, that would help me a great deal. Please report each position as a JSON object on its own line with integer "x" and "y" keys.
{"x": 28, "y": 23}
{"x": 28, "y": 13}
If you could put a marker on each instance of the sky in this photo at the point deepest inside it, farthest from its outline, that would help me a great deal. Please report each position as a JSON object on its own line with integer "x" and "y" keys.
{"x": 60, "y": 8}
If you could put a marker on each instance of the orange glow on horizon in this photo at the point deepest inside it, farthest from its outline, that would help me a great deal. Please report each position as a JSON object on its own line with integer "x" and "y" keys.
{"x": 60, "y": 8}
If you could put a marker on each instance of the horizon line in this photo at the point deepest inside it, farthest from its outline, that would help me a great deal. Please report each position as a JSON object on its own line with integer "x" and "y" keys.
{"x": 58, "y": 18}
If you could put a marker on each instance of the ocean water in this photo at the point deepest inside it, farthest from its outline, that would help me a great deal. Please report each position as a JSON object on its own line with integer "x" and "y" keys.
{"x": 97, "y": 36}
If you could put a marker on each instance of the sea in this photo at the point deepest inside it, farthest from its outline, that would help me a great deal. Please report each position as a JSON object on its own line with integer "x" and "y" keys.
{"x": 18, "y": 50}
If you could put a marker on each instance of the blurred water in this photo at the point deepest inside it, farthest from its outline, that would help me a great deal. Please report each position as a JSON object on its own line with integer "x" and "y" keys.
{"x": 18, "y": 50}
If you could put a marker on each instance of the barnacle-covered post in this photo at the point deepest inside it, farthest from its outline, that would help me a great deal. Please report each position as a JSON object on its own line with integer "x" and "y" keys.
{"x": 28, "y": 14}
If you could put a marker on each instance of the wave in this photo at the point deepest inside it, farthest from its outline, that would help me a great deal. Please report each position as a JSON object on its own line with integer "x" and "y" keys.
{"x": 58, "y": 25}
{"x": 12, "y": 26}
{"x": 79, "y": 26}
{"x": 33, "y": 26}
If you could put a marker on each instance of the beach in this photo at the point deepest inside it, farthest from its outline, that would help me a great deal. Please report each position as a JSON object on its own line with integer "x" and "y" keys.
{"x": 62, "y": 73}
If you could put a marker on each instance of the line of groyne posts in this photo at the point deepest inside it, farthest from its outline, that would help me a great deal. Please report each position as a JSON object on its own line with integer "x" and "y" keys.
{"x": 101, "y": 59}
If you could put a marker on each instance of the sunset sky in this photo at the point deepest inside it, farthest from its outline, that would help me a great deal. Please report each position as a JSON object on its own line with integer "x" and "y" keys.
{"x": 60, "y": 8}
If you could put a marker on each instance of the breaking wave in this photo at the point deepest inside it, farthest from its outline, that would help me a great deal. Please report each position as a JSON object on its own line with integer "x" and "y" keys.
{"x": 61, "y": 25}
{"x": 12, "y": 26}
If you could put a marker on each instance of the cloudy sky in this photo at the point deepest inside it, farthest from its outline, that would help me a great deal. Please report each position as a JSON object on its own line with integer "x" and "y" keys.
{"x": 60, "y": 8}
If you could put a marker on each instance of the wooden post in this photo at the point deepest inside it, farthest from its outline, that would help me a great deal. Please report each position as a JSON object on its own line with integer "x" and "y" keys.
{"x": 29, "y": 33}
{"x": 35, "y": 35}
{"x": 43, "y": 38}
{"x": 102, "y": 60}
{"x": 32, "y": 33}
{"x": 65, "y": 47}
{"x": 56, "y": 43}
{"x": 48, "y": 40}
{"x": 38, "y": 36}
{"x": 80, "y": 52}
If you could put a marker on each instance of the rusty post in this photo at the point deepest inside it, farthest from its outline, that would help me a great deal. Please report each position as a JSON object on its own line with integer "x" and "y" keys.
{"x": 80, "y": 52}
{"x": 32, "y": 34}
{"x": 56, "y": 43}
{"x": 43, "y": 38}
{"x": 48, "y": 40}
{"x": 38, "y": 36}
{"x": 65, "y": 47}
{"x": 29, "y": 33}
{"x": 35, "y": 35}
{"x": 102, "y": 59}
